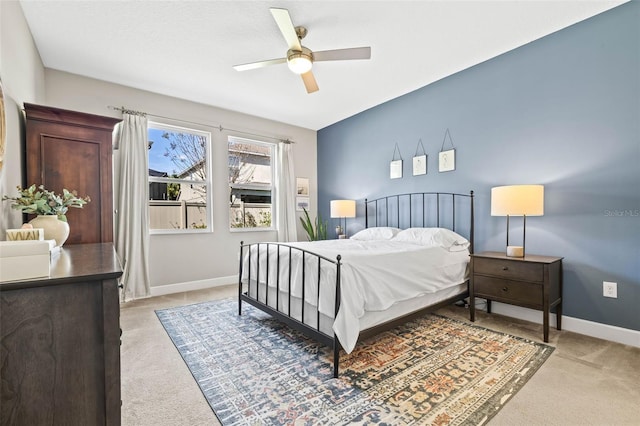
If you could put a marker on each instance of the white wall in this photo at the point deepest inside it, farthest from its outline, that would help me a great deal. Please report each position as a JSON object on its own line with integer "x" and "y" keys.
{"x": 189, "y": 258}
{"x": 22, "y": 76}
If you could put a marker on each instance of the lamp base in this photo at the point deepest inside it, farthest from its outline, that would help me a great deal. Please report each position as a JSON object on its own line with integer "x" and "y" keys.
{"x": 515, "y": 251}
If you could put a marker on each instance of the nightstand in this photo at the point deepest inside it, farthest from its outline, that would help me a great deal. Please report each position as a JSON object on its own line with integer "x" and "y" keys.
{"x": 532, "y": 282}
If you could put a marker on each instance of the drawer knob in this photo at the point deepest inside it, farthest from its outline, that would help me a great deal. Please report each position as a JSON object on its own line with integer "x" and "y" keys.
{"x": 505, "y": 268}
{"x": 505, "y": 289}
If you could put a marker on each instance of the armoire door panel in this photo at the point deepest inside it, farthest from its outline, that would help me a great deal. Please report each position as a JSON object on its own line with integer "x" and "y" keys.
{"x": 57, "y": 155}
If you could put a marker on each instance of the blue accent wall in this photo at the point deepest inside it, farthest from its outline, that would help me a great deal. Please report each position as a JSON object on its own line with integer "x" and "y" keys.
{"x": 562, "y": 111}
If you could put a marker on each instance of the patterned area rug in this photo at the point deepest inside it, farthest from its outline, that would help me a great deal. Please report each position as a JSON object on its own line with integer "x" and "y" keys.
{"x": 253, "y": 370}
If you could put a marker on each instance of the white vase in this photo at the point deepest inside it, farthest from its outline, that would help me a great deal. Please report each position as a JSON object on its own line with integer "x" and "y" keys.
{"x": 54, "y": 229}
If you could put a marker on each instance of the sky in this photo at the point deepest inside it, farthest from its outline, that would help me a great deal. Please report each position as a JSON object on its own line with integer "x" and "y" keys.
{"x": 157, "y": 160}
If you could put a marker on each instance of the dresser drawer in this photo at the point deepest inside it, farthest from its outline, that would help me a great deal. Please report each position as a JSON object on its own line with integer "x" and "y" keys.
{"x": 523, "y": 293}
{"x": 525, "y": 271}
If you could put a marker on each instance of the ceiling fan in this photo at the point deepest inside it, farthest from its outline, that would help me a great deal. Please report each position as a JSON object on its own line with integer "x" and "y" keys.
{"x": 300, "y": 58}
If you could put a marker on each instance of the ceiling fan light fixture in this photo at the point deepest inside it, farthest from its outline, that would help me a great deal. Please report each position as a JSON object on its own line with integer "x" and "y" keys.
{"x": 300, "y": 62}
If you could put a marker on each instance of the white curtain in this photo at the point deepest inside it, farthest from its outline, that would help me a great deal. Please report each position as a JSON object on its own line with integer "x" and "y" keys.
{"x": 286, "y": 194}
{"x": 132, "y": 215}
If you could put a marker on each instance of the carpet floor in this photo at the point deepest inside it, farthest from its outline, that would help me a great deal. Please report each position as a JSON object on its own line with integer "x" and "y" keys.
{"x": 254, "y": 370}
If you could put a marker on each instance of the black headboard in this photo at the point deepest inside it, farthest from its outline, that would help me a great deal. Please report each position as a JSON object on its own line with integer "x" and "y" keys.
{"x": 417, "y": 209}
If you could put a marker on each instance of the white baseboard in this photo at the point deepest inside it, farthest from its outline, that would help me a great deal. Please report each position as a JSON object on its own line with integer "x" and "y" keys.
{"x": 594, "y": 329}
{"x": 162, "y": 290}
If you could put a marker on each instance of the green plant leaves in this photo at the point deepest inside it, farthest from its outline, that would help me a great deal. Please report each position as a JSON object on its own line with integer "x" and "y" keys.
{"x": 41, "y": 201}
{"x": 320, "y": 231}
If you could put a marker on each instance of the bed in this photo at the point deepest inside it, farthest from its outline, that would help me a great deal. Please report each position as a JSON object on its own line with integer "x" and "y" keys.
{"x": 411, "y": 258}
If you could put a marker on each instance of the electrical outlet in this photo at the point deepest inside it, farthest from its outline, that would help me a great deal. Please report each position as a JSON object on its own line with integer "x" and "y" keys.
{"x": 610, "y": 289}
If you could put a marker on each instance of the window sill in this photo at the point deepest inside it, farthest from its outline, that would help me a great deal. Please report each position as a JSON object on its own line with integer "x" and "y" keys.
{"x": 179, "y": 231}
{"x": 242, "y": 230}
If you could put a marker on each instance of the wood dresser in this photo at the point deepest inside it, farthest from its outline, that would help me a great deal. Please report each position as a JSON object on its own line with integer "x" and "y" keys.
{"x": 60, "y": 342}
{"x": 532, "y": 282}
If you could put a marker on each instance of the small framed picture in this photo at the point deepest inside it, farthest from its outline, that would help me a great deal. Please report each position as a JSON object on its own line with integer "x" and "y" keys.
{"x": 395, "y": 169}
{"x": 302, "y": 203}
{"x": 420, "y": 165}
{"x": 447, "y": 160}
{"x": 302, "y": 186}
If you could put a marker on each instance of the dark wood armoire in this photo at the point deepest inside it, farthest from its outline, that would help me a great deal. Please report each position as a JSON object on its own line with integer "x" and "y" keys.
{"x": 73, "y": 150}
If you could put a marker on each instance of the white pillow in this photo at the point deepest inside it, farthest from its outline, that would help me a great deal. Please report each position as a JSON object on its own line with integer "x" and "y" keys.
{"x": 434, "y": 237}
{"x": 378, "y": 233}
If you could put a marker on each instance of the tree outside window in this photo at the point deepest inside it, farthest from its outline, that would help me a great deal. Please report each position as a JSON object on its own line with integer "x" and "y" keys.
{"x": 250, "y": 184}
{"x": 179, "y": 178}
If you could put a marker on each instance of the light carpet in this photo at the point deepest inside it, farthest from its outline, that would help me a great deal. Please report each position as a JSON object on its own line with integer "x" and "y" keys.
{"x": 253, "y": 370}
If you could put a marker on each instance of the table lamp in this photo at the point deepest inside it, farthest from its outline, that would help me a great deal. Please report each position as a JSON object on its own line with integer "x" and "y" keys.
{"x": 517, "y": 200}
{"x": 342, "y": 209}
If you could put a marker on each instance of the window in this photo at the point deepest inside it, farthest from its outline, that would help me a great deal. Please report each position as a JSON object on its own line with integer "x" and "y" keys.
{"x": 179, "y": 179}
{"x": 250, "y": 184}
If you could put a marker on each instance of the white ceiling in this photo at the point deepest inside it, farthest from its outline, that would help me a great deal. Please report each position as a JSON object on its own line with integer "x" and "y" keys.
{"x": 186, "y": 49}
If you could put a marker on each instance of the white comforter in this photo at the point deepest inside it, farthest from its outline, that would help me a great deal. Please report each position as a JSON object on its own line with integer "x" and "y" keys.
{"x": 374, "y": 276}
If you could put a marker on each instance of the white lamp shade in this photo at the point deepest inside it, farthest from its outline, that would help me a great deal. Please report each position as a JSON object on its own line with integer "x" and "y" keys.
{"x": 517, "y": 200}
{"x": 343, "y": 208}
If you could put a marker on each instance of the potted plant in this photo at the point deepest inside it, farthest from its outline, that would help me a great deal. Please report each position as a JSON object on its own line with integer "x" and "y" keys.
{"x": 320, "y": 231}
{"x": 50, "y": 207}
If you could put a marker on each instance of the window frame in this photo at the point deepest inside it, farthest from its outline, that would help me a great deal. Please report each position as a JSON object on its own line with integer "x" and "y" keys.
{"x": 272, "y": 188}
{"x": 207, "y": 183}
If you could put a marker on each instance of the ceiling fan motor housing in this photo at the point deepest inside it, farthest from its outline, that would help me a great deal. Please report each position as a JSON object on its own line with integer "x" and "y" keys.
{"x": 300, "y": 61}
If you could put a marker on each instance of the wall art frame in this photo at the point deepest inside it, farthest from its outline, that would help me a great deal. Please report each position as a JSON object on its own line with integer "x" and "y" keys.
{"x": 302, "y": 203}
{"x": 447, "y": 159}
{"x": 420, "y": 161}
{"x": 395, "y": 167}
{"x": 302, "y": 186}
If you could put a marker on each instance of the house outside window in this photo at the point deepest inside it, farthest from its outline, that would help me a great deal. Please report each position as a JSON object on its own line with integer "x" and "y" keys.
{"x": 179, "y": 179}
{"x": 251, "y": 177}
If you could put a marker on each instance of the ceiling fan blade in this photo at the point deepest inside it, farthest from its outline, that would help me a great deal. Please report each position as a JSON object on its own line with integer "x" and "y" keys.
{"x": 283, "y": 19}
{"x": 261, "y": 64}
{"x": 309, "y": 82}
{"x": 343, "y": 54}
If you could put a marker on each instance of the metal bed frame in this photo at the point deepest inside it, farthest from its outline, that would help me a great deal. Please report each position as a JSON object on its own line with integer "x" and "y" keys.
{"x": 314, "y": 332}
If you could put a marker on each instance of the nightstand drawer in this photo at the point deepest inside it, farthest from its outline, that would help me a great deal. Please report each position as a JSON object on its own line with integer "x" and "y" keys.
{"x": 525, "y": 271}
{"x": 499, "y": 289}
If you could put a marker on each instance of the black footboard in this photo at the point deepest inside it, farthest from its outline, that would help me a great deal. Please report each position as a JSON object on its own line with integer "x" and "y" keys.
{"x": 280, "y": 257}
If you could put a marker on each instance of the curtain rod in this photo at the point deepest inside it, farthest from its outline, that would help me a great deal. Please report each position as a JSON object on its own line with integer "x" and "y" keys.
{"x": 219, "y": 126}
